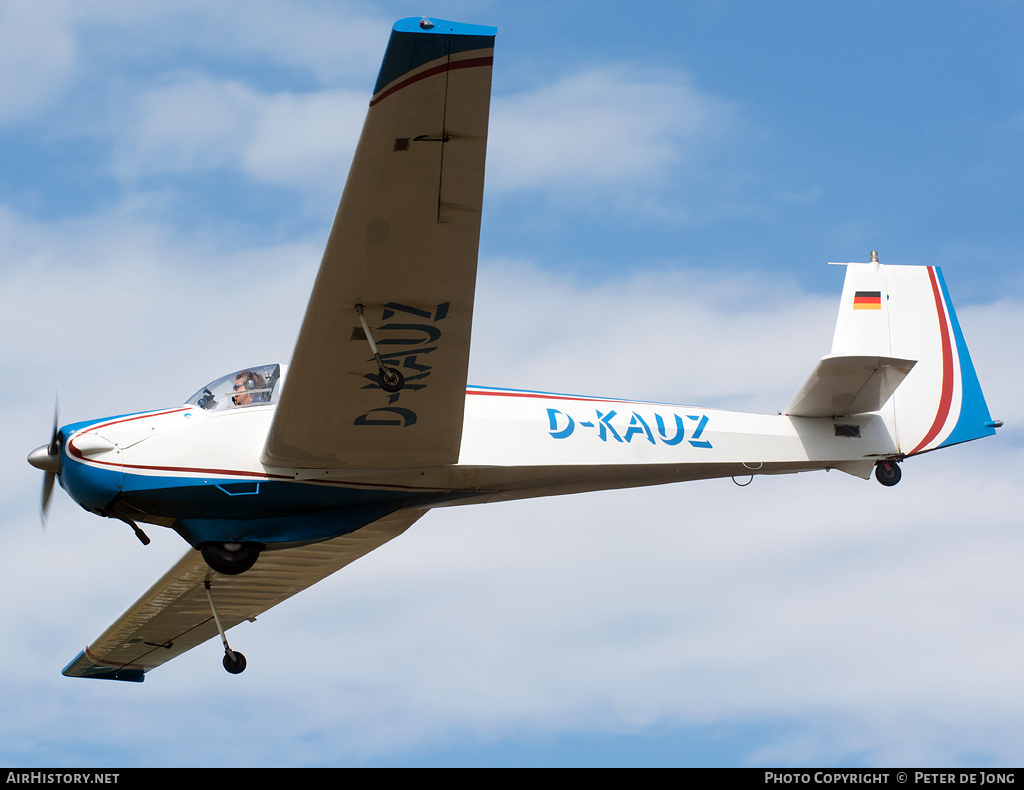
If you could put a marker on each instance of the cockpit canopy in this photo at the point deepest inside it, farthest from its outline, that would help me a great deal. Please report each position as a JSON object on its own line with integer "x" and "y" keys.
{"x": 256, "y": 386}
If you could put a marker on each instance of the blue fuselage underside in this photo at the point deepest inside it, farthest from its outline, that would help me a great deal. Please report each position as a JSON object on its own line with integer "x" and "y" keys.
{"x": 228, "y": 509}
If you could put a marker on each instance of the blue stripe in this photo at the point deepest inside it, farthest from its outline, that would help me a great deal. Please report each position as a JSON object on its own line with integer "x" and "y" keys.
{"x": 974, "y": 420}
{"x": 305, "y": 527}
{"x": 217, "y": 497}
{"x": 278, "y": 511}
{"x": 103, "y": 672}
{"x": 74, "y": 427}
{"x": 413, "y": 24}
{"x": 91, "y": 487}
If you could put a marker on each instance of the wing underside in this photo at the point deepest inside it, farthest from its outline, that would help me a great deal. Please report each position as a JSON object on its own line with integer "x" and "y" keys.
{"x": 175, "y": 614}
{"x": 403, "y": 252}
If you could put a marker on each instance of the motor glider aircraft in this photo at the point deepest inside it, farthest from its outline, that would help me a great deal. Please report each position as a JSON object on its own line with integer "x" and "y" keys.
{"x": 278, "y": 476}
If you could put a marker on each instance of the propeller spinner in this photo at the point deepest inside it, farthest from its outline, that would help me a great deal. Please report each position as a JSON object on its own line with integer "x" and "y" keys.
{"x": 47, "y": 458}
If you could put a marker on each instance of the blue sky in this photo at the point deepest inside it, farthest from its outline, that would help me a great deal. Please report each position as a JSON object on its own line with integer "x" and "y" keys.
{"x": 665, "y": 184}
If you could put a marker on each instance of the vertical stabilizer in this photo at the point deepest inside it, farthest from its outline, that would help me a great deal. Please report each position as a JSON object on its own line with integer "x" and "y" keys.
{"x": 905, "y": 312}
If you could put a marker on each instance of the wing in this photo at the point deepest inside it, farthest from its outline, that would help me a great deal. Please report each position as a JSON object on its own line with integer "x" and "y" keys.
{"x": 403, "y": 248}
{"x": 175, "y": 615}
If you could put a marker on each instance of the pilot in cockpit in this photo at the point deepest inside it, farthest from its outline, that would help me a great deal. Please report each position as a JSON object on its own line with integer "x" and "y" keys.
{"x": 250, "y": 388}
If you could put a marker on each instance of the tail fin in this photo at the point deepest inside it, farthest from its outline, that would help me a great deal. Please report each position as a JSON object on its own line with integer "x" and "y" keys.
{"x": 904, "y": 312}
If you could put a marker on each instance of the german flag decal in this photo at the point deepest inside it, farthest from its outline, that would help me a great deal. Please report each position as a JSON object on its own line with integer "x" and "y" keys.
{"x": 867, "y": 300}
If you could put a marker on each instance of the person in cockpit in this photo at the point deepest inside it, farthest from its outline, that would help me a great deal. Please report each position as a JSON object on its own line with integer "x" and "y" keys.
{"x": 250, "y": 388}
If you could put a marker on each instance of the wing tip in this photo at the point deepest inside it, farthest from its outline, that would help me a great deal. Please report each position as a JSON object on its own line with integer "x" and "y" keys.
{"x": 408, "y": 51}
{"x": 84, "y": 667}
{"x": 424, "y": 24}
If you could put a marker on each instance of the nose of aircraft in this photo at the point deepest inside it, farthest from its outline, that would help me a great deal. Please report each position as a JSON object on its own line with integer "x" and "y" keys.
{"x": 88, "y": 459}
{"x": 91, "y": 486}
{"x": 42, "y": 458}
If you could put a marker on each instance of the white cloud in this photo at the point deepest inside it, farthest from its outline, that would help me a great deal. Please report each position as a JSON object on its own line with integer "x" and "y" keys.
{"x": 609, "y": 129}
{"x": 298, "y": 140}
{"x": 37, "y": 58}
{"x": 684, "y": 335}
{"x": 306, "y": 141}
{"x": 104, "y": 300}
{"x": 848, "y": 609}
{"x": 602, "y": 127}
{"x": 331, "y": 41}
{"x": 194, "y": 125}
{"x": 992, "y": 332}
{"x": 45, "y": 47}
{"x": 864, "y": 624}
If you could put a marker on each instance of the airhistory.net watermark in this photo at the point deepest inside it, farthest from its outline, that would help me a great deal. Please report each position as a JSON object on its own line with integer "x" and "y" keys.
{"x": 60, "y": 778}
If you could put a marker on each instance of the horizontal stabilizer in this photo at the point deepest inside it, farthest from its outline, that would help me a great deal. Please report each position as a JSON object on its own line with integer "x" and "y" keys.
{"x": 843, "y": 384}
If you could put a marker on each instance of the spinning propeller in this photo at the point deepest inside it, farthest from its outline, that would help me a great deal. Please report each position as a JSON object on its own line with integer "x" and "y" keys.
{"x": 47, "y": 458}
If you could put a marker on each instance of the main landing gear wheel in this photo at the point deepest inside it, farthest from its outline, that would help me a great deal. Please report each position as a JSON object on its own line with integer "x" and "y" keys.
{"x": 230, "y": 559}
{"x": 887, "y": 473}
{"x": 391, "y": 380}
{"x": 234, "y": 662}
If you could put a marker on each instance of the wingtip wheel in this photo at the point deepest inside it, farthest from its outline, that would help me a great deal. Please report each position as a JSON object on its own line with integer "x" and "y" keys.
{"x": 391, "y": 379}
{"x": 234, "y": 662}
{"x": 888, "y": 473}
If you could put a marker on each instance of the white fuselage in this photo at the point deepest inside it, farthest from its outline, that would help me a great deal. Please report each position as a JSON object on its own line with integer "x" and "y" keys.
{"x": 190, "y": 466}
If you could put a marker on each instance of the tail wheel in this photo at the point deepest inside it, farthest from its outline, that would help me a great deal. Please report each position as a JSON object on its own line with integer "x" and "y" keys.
{"x": 887, "y": 473}
{"x": 230, "y": 559}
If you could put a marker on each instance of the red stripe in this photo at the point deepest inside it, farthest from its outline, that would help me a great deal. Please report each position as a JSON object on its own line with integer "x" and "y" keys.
{"x": 555, "y": 396}
{"x": 450, "y": 66}
{"x": 78, "y": 453}
{"x": 263, "y": 476}
{"x": 224, "y": 472}
{"x": 946, "y": 398}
